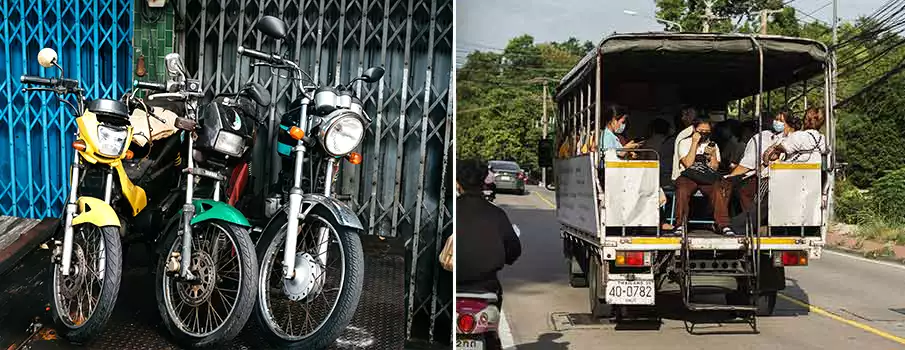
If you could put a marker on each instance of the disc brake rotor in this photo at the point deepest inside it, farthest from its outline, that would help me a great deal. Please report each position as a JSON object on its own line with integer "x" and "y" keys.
{"x": 71, "y": 285}
{"x": 196, "y": 292}
{"x": 308, "y": 280}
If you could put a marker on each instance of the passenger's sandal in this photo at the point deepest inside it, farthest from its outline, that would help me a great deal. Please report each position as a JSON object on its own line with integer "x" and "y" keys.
{"x": 728, "y": 231}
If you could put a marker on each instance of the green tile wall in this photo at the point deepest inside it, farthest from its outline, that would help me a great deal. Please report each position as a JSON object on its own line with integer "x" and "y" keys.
{"x": 154, "y": 40}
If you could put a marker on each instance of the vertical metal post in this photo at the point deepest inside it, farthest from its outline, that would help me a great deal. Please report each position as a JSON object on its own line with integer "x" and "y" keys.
{"x": 544, "y": 169}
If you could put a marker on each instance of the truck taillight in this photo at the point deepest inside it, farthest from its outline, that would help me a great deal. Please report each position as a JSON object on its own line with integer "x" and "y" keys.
{"x": 633, "y": 258}
{"x": 466, "y": 323}
{"x": 790, "y": 258}
{"x": 521, "y": 176}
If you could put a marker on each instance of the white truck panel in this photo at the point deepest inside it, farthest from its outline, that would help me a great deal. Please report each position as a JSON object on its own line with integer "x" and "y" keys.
{"x": 576, "y": 198}
{"x": 794, "y": 194}
{"x": 631, "y": 193}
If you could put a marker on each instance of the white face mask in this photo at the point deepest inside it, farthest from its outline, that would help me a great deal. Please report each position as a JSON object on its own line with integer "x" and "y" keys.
{"x": 778, "y": 126}
{"x": 621, "y": 129}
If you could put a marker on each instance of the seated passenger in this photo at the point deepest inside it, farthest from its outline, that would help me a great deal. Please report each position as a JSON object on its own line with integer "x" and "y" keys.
{"x": 807, "y": 145}
{"x": 743, "y": 176}
{"x": 615, "y": 117}
{"x": 699, "y": 158}
{"x": 728, "y": 137}
{"x": 686, "y": 118}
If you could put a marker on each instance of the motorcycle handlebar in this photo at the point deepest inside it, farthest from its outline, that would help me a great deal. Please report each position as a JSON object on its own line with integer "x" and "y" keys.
{"x": 150, "y": 86}
{"x": 259, "y": 55}
{"x": 33, "y": 80}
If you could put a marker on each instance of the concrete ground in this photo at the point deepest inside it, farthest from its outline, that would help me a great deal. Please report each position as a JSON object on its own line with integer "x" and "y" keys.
{"x": 838, "y": 302}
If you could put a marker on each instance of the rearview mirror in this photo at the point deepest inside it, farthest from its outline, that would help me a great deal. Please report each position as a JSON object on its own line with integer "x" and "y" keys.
{"x": 372, "y": 75}
{"x": 47, "y": 57}
{"x": 545, "y": 153}
{"x": 175, "y": 68}
{"x": 272, "y": 27}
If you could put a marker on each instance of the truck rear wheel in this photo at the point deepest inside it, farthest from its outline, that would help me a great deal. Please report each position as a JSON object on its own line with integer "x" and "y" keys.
{"x": 598, "y": 309}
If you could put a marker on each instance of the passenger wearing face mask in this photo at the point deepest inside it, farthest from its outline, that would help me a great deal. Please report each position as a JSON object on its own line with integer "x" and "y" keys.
{"x": 743, "y": 176}
{"x": 615, "y": 117}
{"x": 698, "y": 164}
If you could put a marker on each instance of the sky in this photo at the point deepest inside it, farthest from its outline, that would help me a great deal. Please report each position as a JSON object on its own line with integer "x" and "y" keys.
{"x": 489, "y": 24}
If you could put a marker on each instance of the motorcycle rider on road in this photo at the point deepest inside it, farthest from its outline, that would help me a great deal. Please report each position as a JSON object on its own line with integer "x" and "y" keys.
{"x": 486, "y": 238}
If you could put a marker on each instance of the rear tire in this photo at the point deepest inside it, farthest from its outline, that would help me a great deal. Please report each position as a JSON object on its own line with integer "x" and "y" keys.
{"x": 270, "y": 253}
{"x": 175, "y": 296}
{"x": 83, "y": 328}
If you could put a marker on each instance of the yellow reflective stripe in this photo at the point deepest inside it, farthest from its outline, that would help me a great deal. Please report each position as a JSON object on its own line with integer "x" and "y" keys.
{"x": 656, "y": 240}
{"x": 634, "y": 164}
{"x": 795, "y": 166}
{"x": 775, "y": 240}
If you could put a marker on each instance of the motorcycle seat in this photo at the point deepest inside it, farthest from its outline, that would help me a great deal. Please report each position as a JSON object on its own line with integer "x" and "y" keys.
{"x": 490, "y": 297}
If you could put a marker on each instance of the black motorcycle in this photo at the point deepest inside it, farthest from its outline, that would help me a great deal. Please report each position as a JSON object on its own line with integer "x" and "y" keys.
{"x": 310, "y": 252}
{"x": 206, "y": 272}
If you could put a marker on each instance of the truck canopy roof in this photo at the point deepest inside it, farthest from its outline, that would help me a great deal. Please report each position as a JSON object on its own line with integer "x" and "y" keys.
{"x": 694, "y": 68}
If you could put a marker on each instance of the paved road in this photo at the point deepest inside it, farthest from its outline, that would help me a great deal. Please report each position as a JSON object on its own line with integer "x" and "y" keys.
{"x": 839, "y": 302}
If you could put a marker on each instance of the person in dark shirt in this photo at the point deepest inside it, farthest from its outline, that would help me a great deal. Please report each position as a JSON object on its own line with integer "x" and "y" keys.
{"x": 485, "y": 238}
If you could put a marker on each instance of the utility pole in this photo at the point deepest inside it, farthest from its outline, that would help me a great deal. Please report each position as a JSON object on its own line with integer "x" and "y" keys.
{"x": 763, "y": 19}
{"x": 709, "y": 16}
{"x": 544, "y": 81}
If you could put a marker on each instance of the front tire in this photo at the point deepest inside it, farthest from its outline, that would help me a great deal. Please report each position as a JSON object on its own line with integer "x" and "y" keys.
{"x": 278, "y": 321}
{"x": 97, "y": 264}
{"x": 213, "y": 309}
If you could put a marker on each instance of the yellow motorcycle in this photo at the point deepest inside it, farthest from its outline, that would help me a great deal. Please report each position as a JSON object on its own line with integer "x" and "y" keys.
{"x": 87, "y": 262}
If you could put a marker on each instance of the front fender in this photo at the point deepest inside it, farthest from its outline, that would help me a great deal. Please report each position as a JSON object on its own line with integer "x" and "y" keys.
{"x": 344, "y": 215}
{"x": 96, "y": 212}
{"x": 206, "y": 209}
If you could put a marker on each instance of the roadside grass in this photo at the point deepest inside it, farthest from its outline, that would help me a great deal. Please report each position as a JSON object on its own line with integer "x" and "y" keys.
{"x": 879, "y": 228}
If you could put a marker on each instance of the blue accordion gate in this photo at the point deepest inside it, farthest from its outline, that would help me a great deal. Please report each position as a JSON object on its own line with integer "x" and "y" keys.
{"x": 94, "y": 42}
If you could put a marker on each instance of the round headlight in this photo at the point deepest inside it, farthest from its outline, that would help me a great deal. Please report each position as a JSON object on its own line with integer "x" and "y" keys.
{"x": 342, "y": 133}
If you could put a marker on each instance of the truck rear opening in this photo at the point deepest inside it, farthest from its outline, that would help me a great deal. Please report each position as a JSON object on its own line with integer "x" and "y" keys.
{"x": 613, "y": 223}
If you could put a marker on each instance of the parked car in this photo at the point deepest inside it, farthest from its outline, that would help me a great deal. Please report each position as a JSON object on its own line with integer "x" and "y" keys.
{"x": 508, "y": 176}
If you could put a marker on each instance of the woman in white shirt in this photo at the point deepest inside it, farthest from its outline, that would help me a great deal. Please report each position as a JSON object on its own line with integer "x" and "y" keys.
{"x": 805, "y": 146}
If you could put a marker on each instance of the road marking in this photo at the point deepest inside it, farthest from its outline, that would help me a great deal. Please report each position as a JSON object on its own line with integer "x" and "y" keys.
{"x": 855, "y": 324}
{"x": 545, "y": 200}
{"x": 878, "y": 262}
{"x": 505, "y": 333}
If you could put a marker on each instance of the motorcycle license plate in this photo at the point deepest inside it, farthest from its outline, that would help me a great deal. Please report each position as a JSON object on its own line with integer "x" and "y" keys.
{"x": 621, "y": 292}
{"x": 469, "y": 344}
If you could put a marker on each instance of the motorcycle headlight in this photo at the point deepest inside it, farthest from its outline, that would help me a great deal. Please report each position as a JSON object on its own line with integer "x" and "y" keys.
{"x": 341, "y": 134}
{"x": 229, "y": 143}
{"x": 111, "y": 140}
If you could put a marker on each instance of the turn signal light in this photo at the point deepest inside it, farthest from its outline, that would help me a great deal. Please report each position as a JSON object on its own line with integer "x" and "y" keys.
{"x": 466, "y": 323}
{"x": 130, "y": 154}
{"x": 79, "y": 145}
{"x": 354, "y": 158}
{"x": 791, "y": 258}
{"x": 296, "y": 133}
{"x": 630, "y": 258}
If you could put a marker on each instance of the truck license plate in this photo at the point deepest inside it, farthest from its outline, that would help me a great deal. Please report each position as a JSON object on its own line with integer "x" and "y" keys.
{"x": 469, "y": 344}
{"x": 621, "y": 292}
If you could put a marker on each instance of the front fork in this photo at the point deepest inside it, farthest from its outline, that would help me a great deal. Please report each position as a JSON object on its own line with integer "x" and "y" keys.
{"x": 188, "y": 212}
{"x": 72, "y": 210}
{"x": 295, "y": 205}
